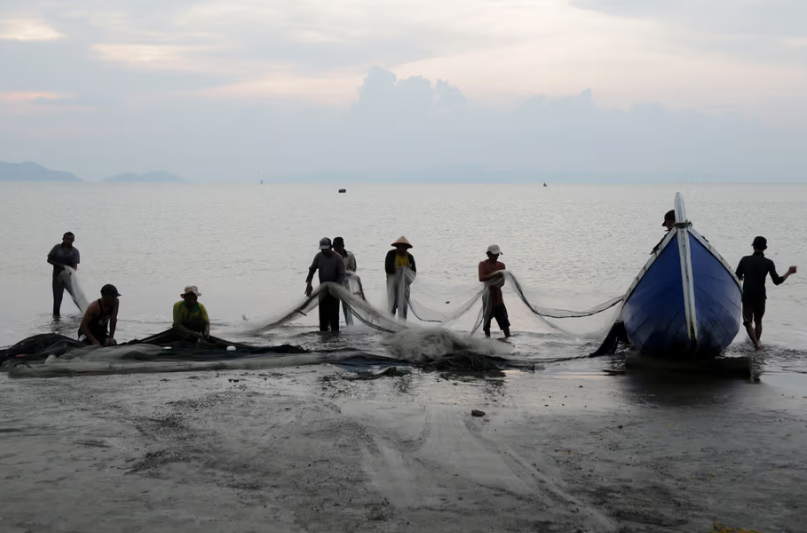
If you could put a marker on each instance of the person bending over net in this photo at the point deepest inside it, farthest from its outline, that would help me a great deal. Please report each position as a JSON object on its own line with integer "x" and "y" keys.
{"x": 101, "y": 319}
{"x": 401, "y": 269}
{"x": 331, "y": 268}
{"x": 492, "y": 300}
{"x": 190, "y": 317}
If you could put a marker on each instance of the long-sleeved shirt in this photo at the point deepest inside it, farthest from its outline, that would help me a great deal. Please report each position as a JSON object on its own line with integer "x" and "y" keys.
{"x": 393, "y": 261}
{"x": 753, "y": 269}
{"x": 330, "y": 268}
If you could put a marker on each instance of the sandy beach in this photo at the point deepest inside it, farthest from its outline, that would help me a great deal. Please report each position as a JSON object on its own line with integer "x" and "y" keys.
{"x": 309, "y": 448}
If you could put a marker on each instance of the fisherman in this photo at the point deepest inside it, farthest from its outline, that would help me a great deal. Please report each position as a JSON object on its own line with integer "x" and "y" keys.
{"x": 669, "y": 223}
{"x": 61, "y": 256}
{"x": 752, "y": 270}
{"x": 190, "y": 316}
{"x": 350, "y": 266}
{"x": 331, "y": 268}
{"x": 101, "y": 319}
{"x": 669, "y": 220}
{"x": 492, "y": 270}
{"x": 401, "y": 269}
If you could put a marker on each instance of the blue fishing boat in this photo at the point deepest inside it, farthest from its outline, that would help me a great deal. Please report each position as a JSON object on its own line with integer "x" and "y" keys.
{"x": 686, "y": 301}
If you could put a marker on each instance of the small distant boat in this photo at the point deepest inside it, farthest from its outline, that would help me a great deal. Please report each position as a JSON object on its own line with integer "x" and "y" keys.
{"x": 342, "y": 191}
{"x": 544, "y": 184}
{"x": 686, "y": 301}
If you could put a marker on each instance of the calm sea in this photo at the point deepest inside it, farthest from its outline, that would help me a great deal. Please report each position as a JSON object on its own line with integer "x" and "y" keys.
{"x": 248, "y": 247}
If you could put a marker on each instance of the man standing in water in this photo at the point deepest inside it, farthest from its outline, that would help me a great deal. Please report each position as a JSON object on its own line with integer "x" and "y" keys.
{"x": 491, "y": 270}
{"x": 101, "y": 319}
{"x": 401, "y": 269}
{"x": 62, "y": 255}
{"x": 331, "y": 268}
{"x": 752, "y": 270}
{"x": 190, "y": 316}
{"x": 350, "y": 266}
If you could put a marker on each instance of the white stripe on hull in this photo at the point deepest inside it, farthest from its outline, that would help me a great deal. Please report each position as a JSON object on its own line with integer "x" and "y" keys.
{"x": 687, "y": 279}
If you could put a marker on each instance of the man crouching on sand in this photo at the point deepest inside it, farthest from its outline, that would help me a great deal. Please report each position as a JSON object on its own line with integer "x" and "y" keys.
{"x": 101, "y": 319}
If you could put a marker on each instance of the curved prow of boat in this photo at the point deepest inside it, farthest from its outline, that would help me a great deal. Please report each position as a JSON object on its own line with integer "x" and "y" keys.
{"x": 686, "y": 301}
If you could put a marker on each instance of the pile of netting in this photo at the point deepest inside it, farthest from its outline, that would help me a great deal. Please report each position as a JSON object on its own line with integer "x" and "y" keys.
{"x": 53, "y": 355}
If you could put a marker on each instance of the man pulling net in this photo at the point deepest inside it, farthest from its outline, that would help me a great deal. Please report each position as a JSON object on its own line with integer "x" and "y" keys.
{"x": 491, "y": 271}
{"x": 400, "y": 268}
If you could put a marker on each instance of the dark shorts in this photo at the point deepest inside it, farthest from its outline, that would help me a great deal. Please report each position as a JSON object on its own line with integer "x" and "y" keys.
{"x": 753, "y": 311}
{"x": 499, "y": 312}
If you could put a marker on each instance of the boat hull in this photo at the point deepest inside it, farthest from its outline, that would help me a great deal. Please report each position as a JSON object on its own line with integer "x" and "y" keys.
{"x": 660, "y": 319}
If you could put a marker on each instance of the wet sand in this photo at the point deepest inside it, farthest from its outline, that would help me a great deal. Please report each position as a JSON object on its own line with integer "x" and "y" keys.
{"x": 303, "y": 449}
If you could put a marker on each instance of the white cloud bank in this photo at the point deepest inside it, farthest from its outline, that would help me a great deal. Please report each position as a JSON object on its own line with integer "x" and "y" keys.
{"x": 226, "y": 89}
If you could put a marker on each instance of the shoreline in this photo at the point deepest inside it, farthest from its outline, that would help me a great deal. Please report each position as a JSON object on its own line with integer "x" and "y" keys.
{"x": 303, "y": 448}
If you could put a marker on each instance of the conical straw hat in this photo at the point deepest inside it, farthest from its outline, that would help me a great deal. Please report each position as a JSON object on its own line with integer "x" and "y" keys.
{"x": 403, "y": 241}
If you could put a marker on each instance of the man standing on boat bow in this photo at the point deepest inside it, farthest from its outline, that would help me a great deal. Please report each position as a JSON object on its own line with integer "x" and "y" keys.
{"x": 752, "y": 271}
{"x": 669, "y": 223}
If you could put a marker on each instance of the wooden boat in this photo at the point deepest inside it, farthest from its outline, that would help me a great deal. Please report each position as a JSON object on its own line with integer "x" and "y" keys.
{"x": 686, "y": 301}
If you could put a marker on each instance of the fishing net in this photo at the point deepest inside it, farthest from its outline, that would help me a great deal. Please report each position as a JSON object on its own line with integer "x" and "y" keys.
{"x": 439, "y": 306}
{"x": 359, "y": 306}
{"x": 426, "y": 340}
{"x": 39, "y": 347}
{"x": 72, "y": 284}
{"x": 114, "y": 362}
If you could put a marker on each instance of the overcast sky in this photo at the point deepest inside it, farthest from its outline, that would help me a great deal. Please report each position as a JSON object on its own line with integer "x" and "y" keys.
{"x": 394, "y": 90}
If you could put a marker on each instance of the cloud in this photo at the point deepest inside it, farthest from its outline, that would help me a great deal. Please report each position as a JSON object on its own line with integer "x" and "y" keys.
{"x": 771, "y": 17}
{"x": 78, "y": 100}
{"x": 217, "y": 88}
{"x": 408, "y": 129}
{"x": 27, "y": 30}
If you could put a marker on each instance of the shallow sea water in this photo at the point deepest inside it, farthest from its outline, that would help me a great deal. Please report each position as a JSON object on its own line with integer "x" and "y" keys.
{"x": 248, "y": 248}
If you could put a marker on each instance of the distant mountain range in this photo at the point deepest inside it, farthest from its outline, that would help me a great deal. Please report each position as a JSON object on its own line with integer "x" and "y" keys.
{"x": 148, "y": 177}
{"x": 32, "y": 172}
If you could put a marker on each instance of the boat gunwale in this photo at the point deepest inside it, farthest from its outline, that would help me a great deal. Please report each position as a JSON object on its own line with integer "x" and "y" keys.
{"x": 664, "y": 243}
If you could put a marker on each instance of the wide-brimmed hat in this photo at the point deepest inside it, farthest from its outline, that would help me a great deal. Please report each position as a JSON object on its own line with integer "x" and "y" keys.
{"x": 191, "y": 289}
{"x": 402, "y": 241}
{"x": 494, "y": 249}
